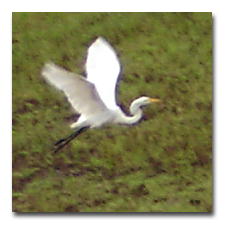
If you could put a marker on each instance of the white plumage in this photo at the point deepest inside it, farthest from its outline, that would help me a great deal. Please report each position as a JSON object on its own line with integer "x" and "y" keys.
{"x": 94, "y": 97}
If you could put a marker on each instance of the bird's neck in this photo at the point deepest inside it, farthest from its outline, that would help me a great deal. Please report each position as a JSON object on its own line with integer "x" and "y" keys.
{"x": 136, "y": 116}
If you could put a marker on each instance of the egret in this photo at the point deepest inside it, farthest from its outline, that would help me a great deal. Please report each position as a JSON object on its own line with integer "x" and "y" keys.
{"x": 94, "y": 97}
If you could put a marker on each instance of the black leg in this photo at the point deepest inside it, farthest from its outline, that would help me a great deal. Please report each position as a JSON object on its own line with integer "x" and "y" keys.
{"x": 62, "y": 142}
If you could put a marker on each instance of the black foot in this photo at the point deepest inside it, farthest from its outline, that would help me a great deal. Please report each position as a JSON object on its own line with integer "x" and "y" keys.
{"x": 64, "y": 141}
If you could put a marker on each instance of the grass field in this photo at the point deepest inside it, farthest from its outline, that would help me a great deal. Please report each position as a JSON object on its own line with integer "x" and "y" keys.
{"x": 163, "y": 164}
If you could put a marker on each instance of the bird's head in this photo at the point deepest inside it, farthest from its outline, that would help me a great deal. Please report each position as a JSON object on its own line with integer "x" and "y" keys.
{"x": 142, "y": 101}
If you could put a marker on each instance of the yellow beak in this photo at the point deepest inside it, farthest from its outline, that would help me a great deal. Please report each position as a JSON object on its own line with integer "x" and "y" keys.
{"x": 151, "y": 100}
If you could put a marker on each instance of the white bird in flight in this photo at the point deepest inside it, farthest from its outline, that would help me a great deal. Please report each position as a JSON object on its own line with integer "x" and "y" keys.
{"x": 94, "y": 97}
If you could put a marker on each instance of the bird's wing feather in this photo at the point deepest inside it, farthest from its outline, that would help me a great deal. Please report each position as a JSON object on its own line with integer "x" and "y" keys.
{"x": 81, "y": 93}
{"x": 103, "y": 68}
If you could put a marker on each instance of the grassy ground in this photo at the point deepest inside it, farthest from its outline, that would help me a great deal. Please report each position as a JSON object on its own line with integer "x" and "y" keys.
{"x": 164, "y": 164}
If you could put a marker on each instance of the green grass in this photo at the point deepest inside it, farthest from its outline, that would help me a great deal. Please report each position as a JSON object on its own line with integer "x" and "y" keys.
{"x": 163, "y": 164}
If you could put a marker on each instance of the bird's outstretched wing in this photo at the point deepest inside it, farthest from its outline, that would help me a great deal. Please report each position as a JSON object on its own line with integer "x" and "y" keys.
{"x": 103, "y": 68}
{"x": 81, "y": 93}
